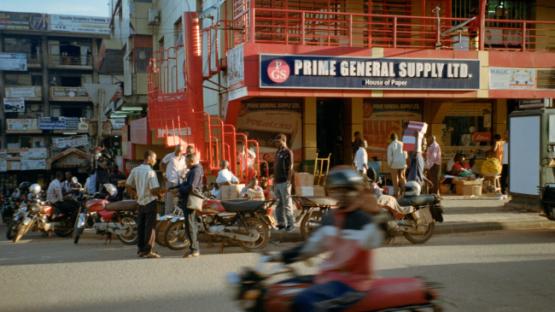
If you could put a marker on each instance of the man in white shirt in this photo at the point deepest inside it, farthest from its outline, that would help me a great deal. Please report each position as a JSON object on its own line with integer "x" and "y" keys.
{"x": 176, "y": 169}
{"x": 54, "y": 192}
{"x": 397, "y": 161}
{"x": 144, "y": 182}
{"x": 361, "y": 159}
{"x": 225, "y": 176}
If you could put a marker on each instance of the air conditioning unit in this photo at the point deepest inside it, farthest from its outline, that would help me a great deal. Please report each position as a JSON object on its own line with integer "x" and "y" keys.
{"x": 153, "y": 16}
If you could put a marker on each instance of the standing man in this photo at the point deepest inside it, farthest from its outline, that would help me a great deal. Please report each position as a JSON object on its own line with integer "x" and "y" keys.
{"x": 361, "y": 159}
{"x": 193, "y": 181}
{"x": 144, "y": 182}
{"x": 54, "y": 193}
{"x": 397, "y": 161}
{"x": 433, "y": 164}
{"x": 66, "y": 185}
{"x": 357, "y": 142}
{"x": 176, "y": 168}
{"x": 283, "y": 172}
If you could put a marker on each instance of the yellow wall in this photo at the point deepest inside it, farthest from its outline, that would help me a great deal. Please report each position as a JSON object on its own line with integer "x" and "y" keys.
{"x": 309, "y": 129}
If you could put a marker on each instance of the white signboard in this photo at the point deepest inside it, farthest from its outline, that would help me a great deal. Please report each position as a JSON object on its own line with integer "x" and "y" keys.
{"x": 33, "y": 164}
{"x": 235, "y": 65}
{"x": 14, "y": 105}
{"x": 80, "y": 24}
{"x": 24, "y": 92}
{"x": 22, "y": 125}
{"x": 13, "y": 61}
{"x": 512, "y": 78}
{"x": 34, "y": 153}
{"x": 67, "y": 142}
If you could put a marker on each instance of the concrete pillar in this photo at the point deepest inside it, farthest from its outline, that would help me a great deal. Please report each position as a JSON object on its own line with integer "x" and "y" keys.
{"x": 3, "y": 125}
{"x": 45, "y": 79}
{"x": 310, "y": 146}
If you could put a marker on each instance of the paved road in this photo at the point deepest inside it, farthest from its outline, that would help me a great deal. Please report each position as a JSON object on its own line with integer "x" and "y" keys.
{"x": 490, "y": 271}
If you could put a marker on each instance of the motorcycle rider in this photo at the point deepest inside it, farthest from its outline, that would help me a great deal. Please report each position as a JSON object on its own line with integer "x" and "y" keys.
{"x": 349, "y": 234}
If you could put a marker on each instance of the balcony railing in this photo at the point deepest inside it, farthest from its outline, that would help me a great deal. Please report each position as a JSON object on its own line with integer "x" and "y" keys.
{"x": 340, "y": 29}
{"x": 65, "y": 60}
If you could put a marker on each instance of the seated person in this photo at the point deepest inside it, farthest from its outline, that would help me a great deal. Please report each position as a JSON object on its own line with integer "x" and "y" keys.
{"x": 461, "y": 167}
{"x": 387, "y": 201}
{"x": 252, "y": 191}
{"x": 225, "y": 176}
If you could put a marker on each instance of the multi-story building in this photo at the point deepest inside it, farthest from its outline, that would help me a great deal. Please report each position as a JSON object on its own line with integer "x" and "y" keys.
{"x": 47, "y": 119}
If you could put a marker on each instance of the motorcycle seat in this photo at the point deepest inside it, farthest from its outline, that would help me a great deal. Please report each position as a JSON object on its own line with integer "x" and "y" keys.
{"x": 122, "y": 205}
{"x": 316, "y": 201}
{"x": 420, "y": 200}
{"x": 244, "y": 205}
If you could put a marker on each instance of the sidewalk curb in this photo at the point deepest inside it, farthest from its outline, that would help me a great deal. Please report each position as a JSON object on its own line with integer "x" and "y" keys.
{"x": 449, "y": 228}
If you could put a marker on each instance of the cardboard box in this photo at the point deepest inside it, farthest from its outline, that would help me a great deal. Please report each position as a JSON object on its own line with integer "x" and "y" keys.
{"x": 229, "y": 192}
{"x": 315, "y": 190}
{"x": 469, "y": 187}
{"x": 303, "y": 179}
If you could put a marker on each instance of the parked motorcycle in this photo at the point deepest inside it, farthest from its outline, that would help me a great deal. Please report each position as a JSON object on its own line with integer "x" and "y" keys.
{"x": 107, "y": 217}
{"x": 417, "y": 216}
{"x": 253, "y": 291}
{"x": 11, "y": 203}
{"x": 36, "y": 215}
{"x": 312, "y": 209}
{"x": 243, "y": 222}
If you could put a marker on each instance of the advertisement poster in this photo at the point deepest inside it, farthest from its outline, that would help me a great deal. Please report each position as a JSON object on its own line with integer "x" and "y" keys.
{"x": 14, "y": 105}
{"x": 80, "y": 24}
{"x": 72, "y": 141}
{"x": 13, "y": 61}
{"x": 264, "y": 120}
{"x": 383, "y": 119}
{"x": 512, "y": 78}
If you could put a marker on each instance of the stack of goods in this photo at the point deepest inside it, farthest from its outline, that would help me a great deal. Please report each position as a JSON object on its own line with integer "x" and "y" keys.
{"x": 413, "y": 136}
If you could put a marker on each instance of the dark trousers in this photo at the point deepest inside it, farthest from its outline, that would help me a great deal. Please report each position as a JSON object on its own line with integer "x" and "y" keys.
{"x": 504, "y": 178}
{"x": 331, "y": 296}
{"x": 434, "y": 174}
{"x": 191, "y": 228}
{"x": 146, "y": 224}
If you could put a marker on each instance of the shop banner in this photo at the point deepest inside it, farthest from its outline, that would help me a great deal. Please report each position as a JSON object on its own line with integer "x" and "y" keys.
{"x": 33, "y": 164}
{"x": 72, "y": 141}
{"x": 512, "y": 78}
{"x": 24, "y": 92}
{"x": 80, "y": 24}
{"x": 14, "y": 105}
{"x": 34, "y": 153}
{"x": 23, "y": 21}
{"x": 63, "y": 123}
{"x": 327, "y": 72}
{"x": 13, "y": 61}
{"x": 21, "y": 125}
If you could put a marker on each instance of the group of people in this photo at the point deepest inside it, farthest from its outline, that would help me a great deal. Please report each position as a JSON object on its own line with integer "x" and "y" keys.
{"x": 185, "y": 176}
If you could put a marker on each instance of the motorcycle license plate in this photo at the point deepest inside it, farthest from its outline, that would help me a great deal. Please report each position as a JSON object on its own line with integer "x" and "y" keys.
{"x": 81, "y": 222}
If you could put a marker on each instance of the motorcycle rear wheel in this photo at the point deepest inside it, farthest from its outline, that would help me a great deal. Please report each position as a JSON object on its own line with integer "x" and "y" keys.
{"x": 310, "y": 222}
{"x": 263, "y": 230}
{"x": 175, "y": 237}
{"x": 420, "y": 238}
{"x": 130, "y": 236}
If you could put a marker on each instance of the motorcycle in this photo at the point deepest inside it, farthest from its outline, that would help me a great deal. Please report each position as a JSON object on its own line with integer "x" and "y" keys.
{"x": 253, "y": 291}
{"x": 243, "y": 222}
{"x": 312, "y": 209}
{"x": 416, "y": 217}
{"x": 36, "y": 215}
{"x": 11, "y": 203}
{"x": 107, "y": 217}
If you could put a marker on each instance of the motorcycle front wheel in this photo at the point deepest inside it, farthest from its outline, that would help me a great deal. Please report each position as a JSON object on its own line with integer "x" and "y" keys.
{"x": 129, "y": 237}
{"x": 22, "y": 229}
{"x": 420, "y": 238}
{"x": 175, "y": 237}
{"x": 263, "y": 230}
{"x": 77, "y": 230}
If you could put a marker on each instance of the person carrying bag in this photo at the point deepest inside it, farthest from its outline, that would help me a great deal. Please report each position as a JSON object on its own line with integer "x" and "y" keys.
{"x": 191, "y": 201}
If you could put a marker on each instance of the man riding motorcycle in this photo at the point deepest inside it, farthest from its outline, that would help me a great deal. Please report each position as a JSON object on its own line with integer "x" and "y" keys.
{"x": 348, "y": 233}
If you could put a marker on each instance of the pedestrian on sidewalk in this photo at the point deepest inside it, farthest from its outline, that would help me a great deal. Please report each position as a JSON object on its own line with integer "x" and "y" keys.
{"x": 283, "y": 172}
{"x": 144, "y": 182}
{"x": 361, "y": 159}
{"x": 433, "y": 164}
{"x": 356, "y": 142}
{"x": 192, "y": 183}
{"x": 505, "y": 169}
{"x": 175, "y": 168}
{"x": 397, "y": 161}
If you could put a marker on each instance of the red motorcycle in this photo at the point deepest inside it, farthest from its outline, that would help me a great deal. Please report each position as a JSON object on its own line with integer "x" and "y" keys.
{"x": 108, "y": 217}
{"x": 254, "y": 293}
{"x": 244, "y": 222}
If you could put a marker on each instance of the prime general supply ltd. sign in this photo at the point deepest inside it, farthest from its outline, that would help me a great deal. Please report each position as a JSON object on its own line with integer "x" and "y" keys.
{"x": 328, "y": 72}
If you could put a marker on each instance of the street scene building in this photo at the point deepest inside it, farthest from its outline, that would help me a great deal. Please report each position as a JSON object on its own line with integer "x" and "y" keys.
{"x": 48, "y": 120}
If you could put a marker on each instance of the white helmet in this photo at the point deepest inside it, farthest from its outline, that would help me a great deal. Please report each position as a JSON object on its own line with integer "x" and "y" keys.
{"x": 412, "y": 188}
{"x": 34, "y": 189}
{"x": 111, "y": 189}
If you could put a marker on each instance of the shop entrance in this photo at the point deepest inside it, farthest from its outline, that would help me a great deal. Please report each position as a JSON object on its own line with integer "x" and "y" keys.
{"x": 331, "y": 129}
